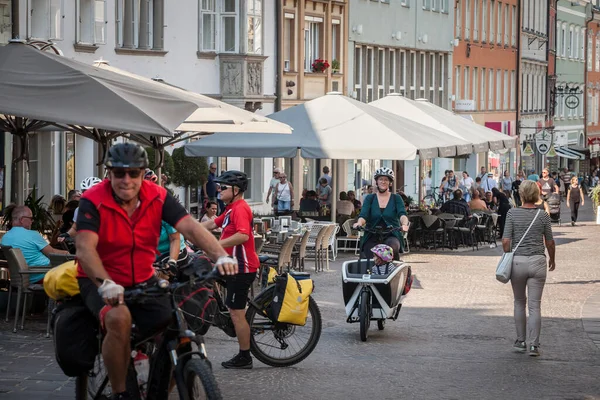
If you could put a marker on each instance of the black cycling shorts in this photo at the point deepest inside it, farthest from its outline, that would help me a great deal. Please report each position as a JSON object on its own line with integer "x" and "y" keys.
{"x": 149, "y": 317}
{"x": 238, "y": 287}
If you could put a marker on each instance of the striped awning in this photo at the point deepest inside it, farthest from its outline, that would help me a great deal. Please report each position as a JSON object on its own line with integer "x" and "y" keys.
{"x": 569, "y": 153}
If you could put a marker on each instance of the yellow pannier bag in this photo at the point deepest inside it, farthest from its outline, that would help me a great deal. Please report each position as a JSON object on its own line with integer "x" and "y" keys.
{"x": 61, "y": 281}
{"x": 291, "y": 298}
{"x": 272, "y": 275}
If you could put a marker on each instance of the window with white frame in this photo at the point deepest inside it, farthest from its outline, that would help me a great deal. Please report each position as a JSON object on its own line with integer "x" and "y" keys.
{"x": 589, "y": 52}
{"x": 392, "y": 71}
{"x": 458, "y": 19}
{"x": 498, "y": 89}
{"x": 490, "y": 89}
{"x": 525, "y": 9}
{"x": 312, "y": 41}
{"x": 336, "y": 41}
{"x": 229, "y": 26}
{"x": 467, "y": 19}
{"x": 404, "y": 3}
{"x": 484, "y": 20}
{"x": 543, "y": 91}
{"x": 422, "y": 75}
{"x": 499, "y": 25}
{"x": 426, "y": 4}
{"x": 576, "y": 43}
{"x": 530, "y": 90}
{"x": 475, "y": 87}
{"x": 513, "y": 27}
{"x": 403, "y": 67}
{"x": 466, "y": 83}
{"x": 492, "y": 31}
{"x": 413, "y": 74}
{"x": 208, "y": 25}
{"x": 476, "y": 20}
{"x": 91, "y": 21}
{"x": 370, "y": 73}
{"x": 457, "y": 87}
{"x": 5, "y": 21}
{"x": 506, "y": 19}
{"x": 560, "y": 39}
{"x": 590, "y": 116}
{"x": 358, "y": 72}
{"x": 435, "y": 5}
{"x": 46, "y": 19}
{"x": 136, "y": 24}
{"x": 580, "y": 97}
{"x": 597, "y": 55}
{"x": 513, "y": 87}
{"x": 443, "y": 6}
{"x": 564, "y": 40}
{"x": 571, "y": 42}
{"x": 431, "y": 76}
{"x": 289, "y": 42}
{"x": 505, "y": 91}
{"x": 582, "y": 45}
{"x": 482, "y": 94}
{"x": 442, "y": 68}
{"x": 381, "y": 74}
{"x": 254, "y": 11}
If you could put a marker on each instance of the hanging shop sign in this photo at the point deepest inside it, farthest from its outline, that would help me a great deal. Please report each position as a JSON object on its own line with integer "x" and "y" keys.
{"x": 551, "y": 152}
{"x": 528, "y": 151}
{"x": 543, "y": 141}
{"x": 572, "y": 101}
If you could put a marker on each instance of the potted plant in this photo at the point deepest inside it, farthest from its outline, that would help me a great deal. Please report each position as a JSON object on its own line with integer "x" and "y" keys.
{"x": 595, "y": 196}
{"x": 335, "y": 66}
{"x": 320, "y": 65}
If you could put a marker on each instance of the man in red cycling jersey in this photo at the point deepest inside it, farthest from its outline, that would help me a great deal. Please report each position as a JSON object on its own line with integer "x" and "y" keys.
{"x": 118, "y": 230}
{"x": 238, "y": 240}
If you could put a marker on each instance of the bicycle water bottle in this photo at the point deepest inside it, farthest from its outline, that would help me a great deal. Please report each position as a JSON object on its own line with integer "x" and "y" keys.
{"x": 142, "y": 369}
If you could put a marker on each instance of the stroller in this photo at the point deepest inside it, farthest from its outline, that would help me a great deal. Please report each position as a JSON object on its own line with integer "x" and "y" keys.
{"x": 554, "y": 205}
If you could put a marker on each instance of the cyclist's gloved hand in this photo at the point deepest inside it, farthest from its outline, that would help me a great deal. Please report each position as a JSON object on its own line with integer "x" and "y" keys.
{"x": 172, "y": 264}
{"x": 227, "y": 265}
{"x": 62, "y": 237}
{"x": 111, "y": 293}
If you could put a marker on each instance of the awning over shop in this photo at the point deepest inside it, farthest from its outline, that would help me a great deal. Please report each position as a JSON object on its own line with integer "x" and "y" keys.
{"x": 569, "y": 153}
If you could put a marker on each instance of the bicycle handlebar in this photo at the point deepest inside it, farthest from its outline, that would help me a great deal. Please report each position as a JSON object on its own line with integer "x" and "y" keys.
{"x": 379, "y": 230}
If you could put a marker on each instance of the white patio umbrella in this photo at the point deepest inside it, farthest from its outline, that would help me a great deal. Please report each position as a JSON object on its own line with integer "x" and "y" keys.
{"x": 220, "y": 117}
{"x": 426, "y": 113}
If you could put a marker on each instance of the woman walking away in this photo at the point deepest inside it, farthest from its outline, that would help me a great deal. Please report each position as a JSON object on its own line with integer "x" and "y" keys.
{"x": 574, "y": 197}
{"x": 529, "y": 264}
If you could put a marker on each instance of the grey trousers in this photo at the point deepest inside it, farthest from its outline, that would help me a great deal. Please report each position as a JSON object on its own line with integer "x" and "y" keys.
{"x": 528, "y": 273}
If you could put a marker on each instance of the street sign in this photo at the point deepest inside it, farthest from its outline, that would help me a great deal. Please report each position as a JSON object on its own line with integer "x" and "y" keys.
{"x": 464, "y": 105}
{"x": 572, "y": 101}
{"x": 528, "y": 151}
{"x": 543, "y": 141}
{"x": 551, "y": 152}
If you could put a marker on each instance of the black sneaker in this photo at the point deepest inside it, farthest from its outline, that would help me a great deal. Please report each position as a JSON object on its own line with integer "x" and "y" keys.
{"x": 519, "y": 346}
{"x": 238, "y": 362}
{"x": 121, "y": 396}
{"x": 534, "y": 351}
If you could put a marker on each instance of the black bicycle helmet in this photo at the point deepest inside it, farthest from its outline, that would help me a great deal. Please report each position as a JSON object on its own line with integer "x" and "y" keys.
{"x": 233, "y": 178}
{"x": 126, "y": 155}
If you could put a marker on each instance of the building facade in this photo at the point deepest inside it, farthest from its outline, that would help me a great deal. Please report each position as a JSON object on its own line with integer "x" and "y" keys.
{"x": 311, "y": 33}
{"x": 485, "y": 72}
{"x": 571, "y": 69}
{"x": 399, "y": 46}
{"x": 593, "y": 84}
{"x": 221, "y": 48}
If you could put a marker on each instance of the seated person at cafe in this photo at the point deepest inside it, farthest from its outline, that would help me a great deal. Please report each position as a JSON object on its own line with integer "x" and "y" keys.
{"x": 476, "y": 204}
{"x": 310, "y": 203}
{"x": 354, "y": 200}
{"x": 489, "y": 201}
{"x": 211, "y": 214}
{"x": 457, "y": 205}
{"x": 33, "y": 246}
{"x": 344, "y": 206}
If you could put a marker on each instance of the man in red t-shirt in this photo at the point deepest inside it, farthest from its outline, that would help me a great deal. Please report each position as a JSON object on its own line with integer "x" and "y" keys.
{"x": 237, "y": 239}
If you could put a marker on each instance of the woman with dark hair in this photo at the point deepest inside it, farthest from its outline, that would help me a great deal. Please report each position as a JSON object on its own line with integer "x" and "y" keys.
{"x": 503, "y": 206}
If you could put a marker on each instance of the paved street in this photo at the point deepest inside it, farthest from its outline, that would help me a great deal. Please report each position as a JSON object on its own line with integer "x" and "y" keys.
{"x": 452, "y": 341}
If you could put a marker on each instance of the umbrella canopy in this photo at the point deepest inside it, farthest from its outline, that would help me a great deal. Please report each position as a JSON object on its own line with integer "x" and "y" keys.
{"x": 426, "y": 113}
{"x": 220, "y": 117}
{"x": 42, "y": 86}
{"x": 337, "y": 127}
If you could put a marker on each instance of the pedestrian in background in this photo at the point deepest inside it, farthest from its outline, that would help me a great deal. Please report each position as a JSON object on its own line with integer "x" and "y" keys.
{"x": 467, "y": 184}
{"x": 505, "y": 183}
{"x": 574, "y": 197}
{"x": 326, "y": 175}
{"x": 273, "y": 189}
{"x": 285, "y": 195}
{"x": 528, "y": 274}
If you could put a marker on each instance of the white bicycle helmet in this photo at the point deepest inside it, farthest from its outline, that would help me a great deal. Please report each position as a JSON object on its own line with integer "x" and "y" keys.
{"x": 385, "y": 171}
{"x": 88, "y": 182}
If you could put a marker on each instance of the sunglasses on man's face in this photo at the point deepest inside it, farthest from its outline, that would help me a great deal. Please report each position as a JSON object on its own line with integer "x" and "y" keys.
{"x": 119, "y": 173}
{"x": 224, "y": 187}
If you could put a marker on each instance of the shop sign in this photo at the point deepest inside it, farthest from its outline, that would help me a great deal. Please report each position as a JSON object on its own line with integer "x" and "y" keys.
{"x": 543, "y": 141}
{"x": 528, "y": 151}
{"x": 551, "y": 152}
{"x": 464, "y": 105}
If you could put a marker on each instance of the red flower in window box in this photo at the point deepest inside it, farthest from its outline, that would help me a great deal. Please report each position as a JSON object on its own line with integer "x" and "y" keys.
{"x": 320, "y": 65}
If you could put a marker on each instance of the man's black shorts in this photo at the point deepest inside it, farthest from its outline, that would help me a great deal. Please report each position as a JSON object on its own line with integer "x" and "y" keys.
{"x": 237, "y": 290}
{"x": 149, "y": 317}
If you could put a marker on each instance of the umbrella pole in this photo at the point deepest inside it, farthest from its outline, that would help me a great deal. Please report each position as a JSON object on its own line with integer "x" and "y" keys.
{"x": 334, "y": 188}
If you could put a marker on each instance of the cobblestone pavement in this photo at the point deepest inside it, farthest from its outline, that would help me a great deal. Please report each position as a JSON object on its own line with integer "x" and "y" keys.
{"x": 452, "y": 340}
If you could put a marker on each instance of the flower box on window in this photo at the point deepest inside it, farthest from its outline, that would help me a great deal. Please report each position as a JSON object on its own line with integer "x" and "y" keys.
{"x": 320, "y": 65}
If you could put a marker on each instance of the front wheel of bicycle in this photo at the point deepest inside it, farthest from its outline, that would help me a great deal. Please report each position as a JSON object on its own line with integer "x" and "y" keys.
{"x": 280, "y": 344}
{"x": 429, "y": 201}
{"x": 200, "y": 383}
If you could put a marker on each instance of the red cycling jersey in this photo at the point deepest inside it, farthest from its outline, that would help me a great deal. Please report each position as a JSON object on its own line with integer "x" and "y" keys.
{"x": 237, "y": 218}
